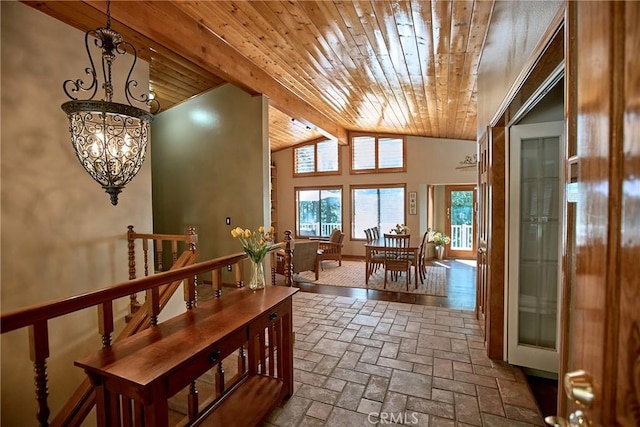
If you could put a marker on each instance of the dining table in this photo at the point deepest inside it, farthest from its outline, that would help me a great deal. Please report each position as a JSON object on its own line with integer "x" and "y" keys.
{"x": 377, "y": 245}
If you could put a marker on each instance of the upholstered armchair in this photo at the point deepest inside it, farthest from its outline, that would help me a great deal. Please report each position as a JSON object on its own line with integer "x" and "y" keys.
{"x": 331, "y": 249}
{"x": 304, "y": 258}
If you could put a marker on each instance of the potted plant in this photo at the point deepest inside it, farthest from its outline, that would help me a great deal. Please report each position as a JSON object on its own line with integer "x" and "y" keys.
{"x": 439, "y": 241}
{"x": 256, "y": 245}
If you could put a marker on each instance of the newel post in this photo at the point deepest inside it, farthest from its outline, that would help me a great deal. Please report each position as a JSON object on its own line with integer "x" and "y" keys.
{"x": 134, "y": 305}
{"x": 288, "y": 254}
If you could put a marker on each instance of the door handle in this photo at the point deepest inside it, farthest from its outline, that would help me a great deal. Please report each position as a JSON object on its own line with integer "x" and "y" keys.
{"x": 576, "y": 419}
{"x": 578, "y": 386}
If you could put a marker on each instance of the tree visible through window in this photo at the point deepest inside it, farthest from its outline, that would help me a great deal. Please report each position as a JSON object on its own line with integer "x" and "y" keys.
{"x": 318, "y": 211}
{"x": 376, "y": 206}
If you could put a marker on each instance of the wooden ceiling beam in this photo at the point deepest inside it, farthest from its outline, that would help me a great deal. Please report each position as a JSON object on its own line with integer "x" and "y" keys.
{"x": 171, "y": 27}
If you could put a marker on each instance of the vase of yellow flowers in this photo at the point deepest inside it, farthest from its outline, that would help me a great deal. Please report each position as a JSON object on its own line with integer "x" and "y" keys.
{"x": 439, "y": 241}
{"x": 256, "y": 245}
{"x": 400, "y": 229}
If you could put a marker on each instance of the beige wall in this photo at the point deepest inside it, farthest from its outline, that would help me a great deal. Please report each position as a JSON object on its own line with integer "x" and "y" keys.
{"x": 430, "y": 161}
{"x": 210, "y": 162}
{"x": 515, "y": 30}
{"x": 60, "y": 235}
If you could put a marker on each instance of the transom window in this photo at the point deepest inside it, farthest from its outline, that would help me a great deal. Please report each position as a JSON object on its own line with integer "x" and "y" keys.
{"x": 381, "y": 206}
{"x": 317, "y": 158}
{"x": 318, "y": 211}
{"x": 377, "y": 153}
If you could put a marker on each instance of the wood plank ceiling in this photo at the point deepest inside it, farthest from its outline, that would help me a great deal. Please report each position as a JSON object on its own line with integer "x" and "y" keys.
{"x": 328, "y": 67}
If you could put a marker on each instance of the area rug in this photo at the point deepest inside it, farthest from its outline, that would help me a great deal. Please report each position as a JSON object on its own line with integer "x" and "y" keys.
{"x": 351, "y": 274}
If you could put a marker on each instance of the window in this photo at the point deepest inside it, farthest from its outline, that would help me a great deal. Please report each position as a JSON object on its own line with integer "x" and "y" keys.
{"x": 375, "y": 154}
{"x": 318, "y": 211}
{"x": 381, "y": 206}
{"x": 316, "y": 158}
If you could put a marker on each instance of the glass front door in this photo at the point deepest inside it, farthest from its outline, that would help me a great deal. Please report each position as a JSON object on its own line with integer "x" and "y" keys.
{"x": 460, "y": 220}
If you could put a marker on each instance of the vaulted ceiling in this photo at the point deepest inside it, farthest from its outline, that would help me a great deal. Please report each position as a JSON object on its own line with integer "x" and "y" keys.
{"x": 327, "y": 67}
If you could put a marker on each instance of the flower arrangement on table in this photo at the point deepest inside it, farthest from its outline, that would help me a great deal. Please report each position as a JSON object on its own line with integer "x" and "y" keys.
{"x": 256, "y": 244}
{"x": 439, "y": 239}
{"x": 400, "y": 229}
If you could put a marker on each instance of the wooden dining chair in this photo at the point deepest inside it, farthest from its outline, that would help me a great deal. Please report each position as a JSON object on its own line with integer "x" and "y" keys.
{"x": 397, "y": 258}
{"x": 376, "y": 232}
{"x": 422, "y": 267}
{"x": 376, "y": 259}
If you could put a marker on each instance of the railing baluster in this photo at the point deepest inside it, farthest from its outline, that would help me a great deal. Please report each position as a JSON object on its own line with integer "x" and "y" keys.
{"x": 174, "y": 251}
{"x": 39, "y": 352}
{"x": 159, "y": 255}
{"x": 134, "y": 305}
{"x": 153, "y": 305}
{"x": 239, "y": 274}
{"x": 192, "y": 238}
{"x": 105, "y": 322}
{"x": 288, "y": 253}
{"x": 190, "y": 294}
{"x": 145, "y": 249}
{"x": 216, "y": 282}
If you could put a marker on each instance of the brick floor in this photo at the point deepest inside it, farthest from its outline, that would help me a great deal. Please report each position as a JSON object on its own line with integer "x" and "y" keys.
{"x": 366, "y": 362}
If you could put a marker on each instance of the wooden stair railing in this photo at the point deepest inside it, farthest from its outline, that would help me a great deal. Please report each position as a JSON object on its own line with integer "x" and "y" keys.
{"x": 158, "y": 243}
{"x": 37, "y": 317}
{"x": 82, "y": 400}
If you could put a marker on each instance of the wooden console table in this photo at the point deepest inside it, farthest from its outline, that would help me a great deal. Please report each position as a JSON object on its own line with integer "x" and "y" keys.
{"x": 134, "y": 378}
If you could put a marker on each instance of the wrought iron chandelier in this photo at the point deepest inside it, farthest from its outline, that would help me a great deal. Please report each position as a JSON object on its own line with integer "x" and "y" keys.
{"x": 110, "y": 139}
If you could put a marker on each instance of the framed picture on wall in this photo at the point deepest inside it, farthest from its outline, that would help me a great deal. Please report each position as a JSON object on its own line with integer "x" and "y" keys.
{"x": 413, "y": 202}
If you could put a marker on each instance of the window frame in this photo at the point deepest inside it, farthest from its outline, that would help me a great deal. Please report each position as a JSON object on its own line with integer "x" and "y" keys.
{"x": 374, "y": 186}
{"x": 377, "y": 168}
{"x": 297, "y": 234}
{"x": 315, "y": 172}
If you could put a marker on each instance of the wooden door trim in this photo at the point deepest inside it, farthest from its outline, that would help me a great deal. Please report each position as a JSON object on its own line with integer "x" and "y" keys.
{"x": 471, "y": 254}
{"x": 548, "y": 55}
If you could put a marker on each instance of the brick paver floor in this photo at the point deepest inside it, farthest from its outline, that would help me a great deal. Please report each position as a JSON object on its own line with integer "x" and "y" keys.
{"x": 366, "y": 362}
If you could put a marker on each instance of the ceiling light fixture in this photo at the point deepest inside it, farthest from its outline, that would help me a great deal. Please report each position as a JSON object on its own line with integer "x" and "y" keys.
{"x": 110, "y": 139}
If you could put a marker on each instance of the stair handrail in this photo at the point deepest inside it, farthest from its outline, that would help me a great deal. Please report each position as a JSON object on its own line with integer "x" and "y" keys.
{"x": 36, "y": 317}
{"x": 81, "y": 402}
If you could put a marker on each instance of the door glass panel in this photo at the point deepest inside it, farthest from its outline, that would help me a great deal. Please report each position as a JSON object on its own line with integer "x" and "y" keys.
{"x": 461, "y": 232}
{"x": 539, "y": 234}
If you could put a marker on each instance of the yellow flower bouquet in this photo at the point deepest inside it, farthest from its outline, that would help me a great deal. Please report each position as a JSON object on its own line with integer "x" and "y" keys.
{"x": 256, "y": 244}
{"x": 401, "y": 229}
{"x": 440, "y": 239}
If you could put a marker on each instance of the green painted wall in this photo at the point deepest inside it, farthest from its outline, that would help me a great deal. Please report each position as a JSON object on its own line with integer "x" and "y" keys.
{"x": 211, "y": 161}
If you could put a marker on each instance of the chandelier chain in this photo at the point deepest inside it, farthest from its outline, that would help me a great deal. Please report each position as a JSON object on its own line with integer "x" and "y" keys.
{"x": 109, "y": 14}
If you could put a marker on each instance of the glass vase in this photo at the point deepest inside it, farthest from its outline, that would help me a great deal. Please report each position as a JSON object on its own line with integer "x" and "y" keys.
{"x": 439, "y": 252}
{"x": 257, "y": 276}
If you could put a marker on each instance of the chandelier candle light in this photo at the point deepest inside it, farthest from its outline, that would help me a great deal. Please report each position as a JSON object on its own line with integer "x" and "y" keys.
{"x": 256, "y": 245}
{"x": 110, "y": 139}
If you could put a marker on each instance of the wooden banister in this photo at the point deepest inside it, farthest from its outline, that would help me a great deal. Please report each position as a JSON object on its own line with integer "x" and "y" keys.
{"x": 27, "y": 316}
{"x": 163, "y": 285}
{"x": 82, "y": 401}
{"x": 188, "y": 241}
{"x": 36, "y": 318}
